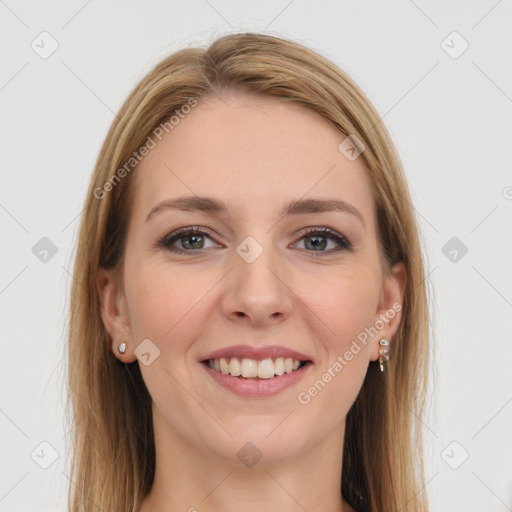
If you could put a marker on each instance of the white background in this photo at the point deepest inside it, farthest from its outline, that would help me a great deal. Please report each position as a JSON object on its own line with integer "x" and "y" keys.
{"x": 451, "y": 119}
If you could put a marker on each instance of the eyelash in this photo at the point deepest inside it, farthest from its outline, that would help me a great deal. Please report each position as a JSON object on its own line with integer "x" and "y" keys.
{"x": 180, "y": 233}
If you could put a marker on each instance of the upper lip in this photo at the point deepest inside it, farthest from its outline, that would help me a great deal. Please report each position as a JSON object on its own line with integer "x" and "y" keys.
{"x": 258, "y": 353}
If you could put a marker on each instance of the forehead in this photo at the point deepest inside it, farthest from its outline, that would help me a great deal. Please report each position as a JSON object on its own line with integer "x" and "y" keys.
{"x": 251, "y": 151}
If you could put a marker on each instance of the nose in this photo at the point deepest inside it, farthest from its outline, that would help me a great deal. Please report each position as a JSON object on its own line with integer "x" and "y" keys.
{"x": 257, "y": 293}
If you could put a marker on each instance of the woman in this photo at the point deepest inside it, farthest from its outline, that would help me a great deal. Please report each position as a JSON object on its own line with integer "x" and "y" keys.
{"x": 249, "y": 323}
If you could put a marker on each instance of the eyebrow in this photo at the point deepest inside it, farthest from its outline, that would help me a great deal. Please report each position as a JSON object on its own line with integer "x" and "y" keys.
{"x": 213, "y": 206}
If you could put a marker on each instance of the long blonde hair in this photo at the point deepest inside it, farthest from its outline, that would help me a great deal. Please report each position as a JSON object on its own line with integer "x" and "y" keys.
{"x": 113, "y": 459}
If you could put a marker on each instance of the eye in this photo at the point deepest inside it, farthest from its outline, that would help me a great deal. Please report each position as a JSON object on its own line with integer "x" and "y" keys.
{"x": 192, "y": 239}
{"x": 317, "y": 239}
{"x": 188, "y": 240}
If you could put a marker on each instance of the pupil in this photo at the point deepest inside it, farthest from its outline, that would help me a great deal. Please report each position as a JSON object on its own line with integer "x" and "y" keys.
{"x": 317, "y": 244}
{"x": 191, "y": 237}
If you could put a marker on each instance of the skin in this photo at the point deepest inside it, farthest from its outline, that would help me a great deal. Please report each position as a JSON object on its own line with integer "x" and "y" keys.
{"x": 255, "y": 154}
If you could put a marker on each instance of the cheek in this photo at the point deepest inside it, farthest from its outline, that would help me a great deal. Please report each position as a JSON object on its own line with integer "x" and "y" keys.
{"x": 166, "y": 305}
{"x": 170, "y": 305}
{"x": 345, "y": 299}
{"x": 347, "y": 307}
{"x": 159, "y": 299}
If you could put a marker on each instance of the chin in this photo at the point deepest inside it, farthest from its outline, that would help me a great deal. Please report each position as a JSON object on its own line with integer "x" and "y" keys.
{"x": 263, "y": 443}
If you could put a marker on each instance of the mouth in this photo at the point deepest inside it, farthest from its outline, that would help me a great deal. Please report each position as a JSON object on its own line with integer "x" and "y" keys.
{"x": 256, "y": 379}
{"x": 253, "y": 369}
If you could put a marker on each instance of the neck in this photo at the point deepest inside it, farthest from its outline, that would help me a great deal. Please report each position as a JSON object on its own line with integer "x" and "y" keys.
{"x": 187, "y": 478}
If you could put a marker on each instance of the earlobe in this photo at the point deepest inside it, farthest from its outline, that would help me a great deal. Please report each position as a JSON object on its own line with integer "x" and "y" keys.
{"x": 113, "y": 311}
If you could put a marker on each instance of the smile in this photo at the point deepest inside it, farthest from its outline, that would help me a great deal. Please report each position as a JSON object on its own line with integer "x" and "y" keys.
{"x": 252, "y": 368}
{"x": 256, "y": 379}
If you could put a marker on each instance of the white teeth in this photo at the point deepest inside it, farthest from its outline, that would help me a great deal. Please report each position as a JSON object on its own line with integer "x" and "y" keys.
{"x": 250, "y": 368}
{"x": 235, "y": 368}
{"x": 224, "y": 366}
{"x": 279, "y": 366}
{"x": 266, "y": 369}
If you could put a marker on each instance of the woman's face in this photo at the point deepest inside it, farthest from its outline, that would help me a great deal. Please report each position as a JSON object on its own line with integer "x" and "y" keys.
{"x": 254, "y": 281}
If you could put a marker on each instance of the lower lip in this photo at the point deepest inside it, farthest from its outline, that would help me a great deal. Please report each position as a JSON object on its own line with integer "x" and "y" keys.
{"x": 257, "y": 388}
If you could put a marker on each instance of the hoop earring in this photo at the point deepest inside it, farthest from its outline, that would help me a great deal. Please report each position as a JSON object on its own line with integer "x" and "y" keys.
{"x": 122, "y": 348}
{"x": 384, "y": 353}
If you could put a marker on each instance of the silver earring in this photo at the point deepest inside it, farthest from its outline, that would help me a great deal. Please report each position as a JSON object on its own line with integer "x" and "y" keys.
{"x": 384, "y": 353}
{"x": 122, "y": 348}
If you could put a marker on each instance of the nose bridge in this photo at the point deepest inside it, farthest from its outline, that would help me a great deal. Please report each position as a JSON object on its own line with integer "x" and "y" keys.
{"x": 256, "y": 288}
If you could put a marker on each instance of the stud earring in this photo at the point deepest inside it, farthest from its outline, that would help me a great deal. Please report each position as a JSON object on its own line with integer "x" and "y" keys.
{"x": 122, "y": 348}
{"x": 384, "y": 353}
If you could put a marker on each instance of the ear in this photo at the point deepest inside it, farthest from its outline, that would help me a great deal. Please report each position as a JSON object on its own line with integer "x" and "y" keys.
{"x": 389, "y": 313}
{"x": 114, "y": 313}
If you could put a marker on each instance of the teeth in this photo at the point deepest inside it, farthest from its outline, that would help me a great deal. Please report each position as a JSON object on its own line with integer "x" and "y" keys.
{"x": 224, "y": 366}
{"x": 250, "y": 368}
{"x": 235, "y": 368}
{"x": 266, "y": 369}
{"x": 279, "y": 366}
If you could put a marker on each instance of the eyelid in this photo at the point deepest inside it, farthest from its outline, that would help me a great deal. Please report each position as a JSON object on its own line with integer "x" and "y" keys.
{"x": 166, "y": 241}
{"x": 182, "y": 232}
{"x": 341, "y": 239}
